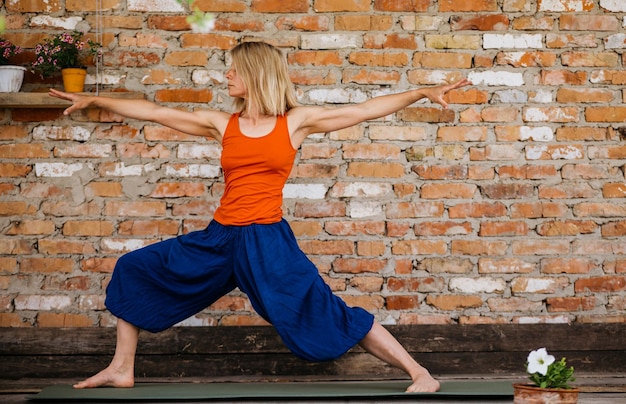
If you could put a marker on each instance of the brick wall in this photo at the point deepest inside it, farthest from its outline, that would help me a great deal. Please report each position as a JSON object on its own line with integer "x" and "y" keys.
{"x": 506, "y": 208}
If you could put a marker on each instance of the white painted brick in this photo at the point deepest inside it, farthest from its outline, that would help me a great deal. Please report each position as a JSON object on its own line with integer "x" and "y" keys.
{"x": 497, "y": 78}
{"x": 510, "y": 41}
{"x": 514, "y": 6}
{"x": 305, "y": 191}
{"x": 359, "y": 209}
{"x": 329, "y": 41}
{"x": 193, "y": 171}
{"x": 87, "y": 151}
{"x": 421, "y": 23}
{"x": 538, "y": 115}
{"x": 207, "y": 77}
{"x": 196, "y": 321}
{"x": 360, "y": 189}
{"x": 101, "y": 78}
{"x": 534, "y": 152}
{"x": 123, "y": 245}
{"x": 536, "y": 285}
{"x": 478, "y": 285}
{"x": 543, "y": 320}
{"x": 389, "y": 320}
{"x": 120, "y": 170}
{"x": 566, "y": 153}
{"x": 616, "y": 6}
{"x": 337, "y": 96}
{"x": 40, "y": 302}
{"x": 541, "y": 97}
{"x": 57, "y": 169}
{"x": 436, "y": 77}
{"x": 155, "y": 6}
{"x": 199, "y": 151}
{"x": 616, "y": 41}
{"x": 91, "y": 302}
{"x": 68, "y": 23}
{"x": 502, "y": 152}
{"x": 563, "y": 5}
{"x": 77, "y": 133}
{"x": 510, "y": 97}
{"x": 538, "y": 134}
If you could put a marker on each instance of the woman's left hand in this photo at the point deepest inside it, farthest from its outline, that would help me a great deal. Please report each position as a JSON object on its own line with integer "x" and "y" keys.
{"x": 435, "y": 94}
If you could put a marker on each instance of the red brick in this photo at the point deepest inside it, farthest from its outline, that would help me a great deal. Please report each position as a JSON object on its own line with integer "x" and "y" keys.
{"x": 442, "y": 228}
{"x": 184, "y": 95}
{"x": 358, "y": 265}
{"x": 363, "y": 22}
{"x": 576, "y": 22}
{"x": 366, "y": 76}
{"x": 304, "y": 170}
{"x": 315, "y": 58}
{"x": 367, "y": 284}
{"x": 320, "y": 209}
{"x": 329, "y": 6}
{"x": 600, "y": 284}
{"x": 352, "y": 228}
{"x": 87, "y": 228}
{"x": 453, "y": 302}
{"x": 467, "y": 5}
{"x": 566, "y": 228}
{"x": 402, "y": 302}
{"x": 46, "y": 265}
{"x": 34, "y": 6}
{"x": 280, "y": 6}
{"x": 418, "y": 6}
{"x": 533, "y": 24}
{"x": 566, "y": 265}
{"x": 224, "y": 6}
{"x": 487, "y": 22}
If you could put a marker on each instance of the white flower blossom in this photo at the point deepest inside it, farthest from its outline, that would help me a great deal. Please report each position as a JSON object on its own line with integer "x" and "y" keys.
{"x": 538, "y": 361}
{"x": 201, "y": 23}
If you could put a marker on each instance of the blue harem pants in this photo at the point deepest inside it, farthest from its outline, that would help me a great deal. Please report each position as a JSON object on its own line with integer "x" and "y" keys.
{"x": 162, "y": 284}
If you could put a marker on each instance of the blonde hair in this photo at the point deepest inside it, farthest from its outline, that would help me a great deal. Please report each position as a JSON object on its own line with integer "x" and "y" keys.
{"x": 264, "y": 71}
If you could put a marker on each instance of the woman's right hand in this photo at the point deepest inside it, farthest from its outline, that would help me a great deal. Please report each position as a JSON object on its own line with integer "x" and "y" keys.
{"x": 78, "y": 101}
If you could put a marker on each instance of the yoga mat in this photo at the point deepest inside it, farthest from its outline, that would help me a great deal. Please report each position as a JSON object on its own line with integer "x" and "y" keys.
{"x": 233, "y": 391}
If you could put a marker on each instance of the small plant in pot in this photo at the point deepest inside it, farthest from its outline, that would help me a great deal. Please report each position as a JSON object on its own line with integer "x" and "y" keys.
{"x": 11, "y": 76}
{"x": 550, "y": 380}
{"x": 66, "y": 50}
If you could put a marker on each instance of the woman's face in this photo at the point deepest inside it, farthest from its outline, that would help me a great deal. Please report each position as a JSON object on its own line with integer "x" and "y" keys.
{"x": 236, "y": 86}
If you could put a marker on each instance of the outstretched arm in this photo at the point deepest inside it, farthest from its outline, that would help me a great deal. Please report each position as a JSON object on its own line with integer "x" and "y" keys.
{"x": 200, "y": 123}
{"x": 322, "y": 120}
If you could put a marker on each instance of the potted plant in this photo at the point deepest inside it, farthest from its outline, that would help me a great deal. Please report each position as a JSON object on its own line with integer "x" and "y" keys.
{"x": 550, "y": 381}
{"x": 67, "y": 53}
{"x": 11, "y": 76}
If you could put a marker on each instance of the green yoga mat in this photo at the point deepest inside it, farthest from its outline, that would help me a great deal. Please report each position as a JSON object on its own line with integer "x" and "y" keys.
{"x": 264, "y": 391}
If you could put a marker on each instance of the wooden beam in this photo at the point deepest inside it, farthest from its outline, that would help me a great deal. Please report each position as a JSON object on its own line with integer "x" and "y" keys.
{"x": 235, "y": 351}
{"x": 43, "y": 100}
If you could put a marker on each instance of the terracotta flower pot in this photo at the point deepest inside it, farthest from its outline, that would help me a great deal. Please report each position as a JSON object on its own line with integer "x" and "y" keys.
{"x": 531, "y": 394}
{"x": 74, "y": 79}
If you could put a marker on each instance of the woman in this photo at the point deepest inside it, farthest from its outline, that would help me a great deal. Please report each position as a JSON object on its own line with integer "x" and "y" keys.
{"x": 248, "y": 245}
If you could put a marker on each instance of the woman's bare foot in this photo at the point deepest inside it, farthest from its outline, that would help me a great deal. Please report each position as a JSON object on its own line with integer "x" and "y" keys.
{"x": 423, "y": 382}
{"x": 109, "y": 377}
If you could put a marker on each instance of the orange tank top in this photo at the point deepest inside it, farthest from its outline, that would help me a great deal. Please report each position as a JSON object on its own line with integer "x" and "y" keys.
{"x": 255, "y": 172}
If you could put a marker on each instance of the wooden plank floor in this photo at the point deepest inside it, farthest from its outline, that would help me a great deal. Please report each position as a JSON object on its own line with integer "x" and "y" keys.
{"x": 595, "y": 388}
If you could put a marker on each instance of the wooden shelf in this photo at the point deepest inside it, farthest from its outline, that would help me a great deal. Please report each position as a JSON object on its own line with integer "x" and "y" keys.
{"x": 43, "y": 100}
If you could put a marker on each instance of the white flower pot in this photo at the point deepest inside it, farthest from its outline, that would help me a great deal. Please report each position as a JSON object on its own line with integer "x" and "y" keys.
{"x": 11, "y": 78}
